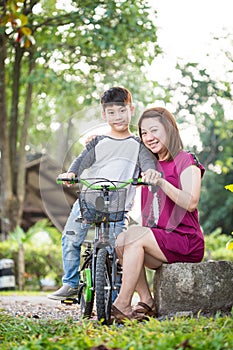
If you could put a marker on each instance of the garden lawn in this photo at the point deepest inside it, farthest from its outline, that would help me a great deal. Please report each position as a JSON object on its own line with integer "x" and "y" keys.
{"x": 179, "y": 333}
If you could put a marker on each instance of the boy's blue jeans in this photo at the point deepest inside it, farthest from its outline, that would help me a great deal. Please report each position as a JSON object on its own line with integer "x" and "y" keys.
{"x": 73, "y": 236}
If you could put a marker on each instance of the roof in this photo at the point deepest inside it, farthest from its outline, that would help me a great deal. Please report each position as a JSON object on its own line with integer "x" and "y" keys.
{"x": 44, "y": 198}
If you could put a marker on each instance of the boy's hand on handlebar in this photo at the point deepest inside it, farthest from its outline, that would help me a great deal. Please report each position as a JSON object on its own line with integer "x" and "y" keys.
{"x": 151, "y": 176}
{"x": 67, "y": 176}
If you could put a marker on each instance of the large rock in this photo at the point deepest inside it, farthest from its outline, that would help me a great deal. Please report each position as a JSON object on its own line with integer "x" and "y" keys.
{"x": 185, "y": 288}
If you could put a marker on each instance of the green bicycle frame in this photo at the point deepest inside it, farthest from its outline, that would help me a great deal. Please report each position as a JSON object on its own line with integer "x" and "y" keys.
{"x": 88, "y": 289}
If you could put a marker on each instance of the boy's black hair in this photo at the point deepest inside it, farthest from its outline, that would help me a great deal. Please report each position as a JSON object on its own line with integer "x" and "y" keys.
{"x": 118, "y": 95}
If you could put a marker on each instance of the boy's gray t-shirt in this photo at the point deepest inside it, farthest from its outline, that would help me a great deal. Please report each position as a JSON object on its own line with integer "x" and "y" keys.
{"x": 115, "y": 160}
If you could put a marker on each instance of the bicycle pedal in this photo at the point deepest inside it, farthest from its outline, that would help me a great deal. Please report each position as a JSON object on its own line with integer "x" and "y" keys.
{"x": 69, "y": 301}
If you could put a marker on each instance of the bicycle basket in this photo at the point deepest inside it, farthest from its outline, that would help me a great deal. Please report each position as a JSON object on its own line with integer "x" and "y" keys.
{"x": 96, "y": 207}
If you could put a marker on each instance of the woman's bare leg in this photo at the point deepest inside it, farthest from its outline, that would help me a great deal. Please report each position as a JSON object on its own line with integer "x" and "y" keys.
{"x": 142, "y": 287}
{"x": 133, "y": 244}
{"x": 143, "y": 290}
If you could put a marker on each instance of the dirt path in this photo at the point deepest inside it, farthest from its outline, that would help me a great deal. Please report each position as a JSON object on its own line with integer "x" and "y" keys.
{"x": 38, "y": 307}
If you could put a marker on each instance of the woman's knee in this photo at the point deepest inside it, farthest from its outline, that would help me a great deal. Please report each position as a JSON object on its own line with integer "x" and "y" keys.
{"x": 120, "y": 241}
{"x": 132, "y": 236}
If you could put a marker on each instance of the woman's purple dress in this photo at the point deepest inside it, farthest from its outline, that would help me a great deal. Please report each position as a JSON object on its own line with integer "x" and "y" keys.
{"x": 176, "y": 230}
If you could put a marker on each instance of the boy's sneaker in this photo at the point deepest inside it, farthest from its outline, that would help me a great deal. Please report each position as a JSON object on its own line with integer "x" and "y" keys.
{"x": 64, "y": 292}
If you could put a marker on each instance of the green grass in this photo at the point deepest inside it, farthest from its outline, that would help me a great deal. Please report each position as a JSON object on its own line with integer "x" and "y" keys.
{"x": 177, "y": 334}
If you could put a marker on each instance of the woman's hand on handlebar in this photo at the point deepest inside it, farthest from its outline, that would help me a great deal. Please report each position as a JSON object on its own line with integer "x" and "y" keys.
{"x": 151, "y": 176}
{"x": 67, "y": 176}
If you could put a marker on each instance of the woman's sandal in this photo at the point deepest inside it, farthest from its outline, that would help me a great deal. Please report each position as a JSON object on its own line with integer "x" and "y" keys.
{"x": 118, "y": 316}
{"x": 143, "y": 310}
{"x": 140, "y": 314}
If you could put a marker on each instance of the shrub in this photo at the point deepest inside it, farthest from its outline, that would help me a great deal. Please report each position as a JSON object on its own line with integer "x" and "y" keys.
{"x": 41, "y": 260}
{"x": 215, "y": 246}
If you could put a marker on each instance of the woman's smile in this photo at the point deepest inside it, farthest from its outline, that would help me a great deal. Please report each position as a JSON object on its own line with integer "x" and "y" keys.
{"x": 153, "y": 135}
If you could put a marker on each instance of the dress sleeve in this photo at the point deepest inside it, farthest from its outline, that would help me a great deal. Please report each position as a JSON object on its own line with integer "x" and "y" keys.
{"x": 186, "y": 159}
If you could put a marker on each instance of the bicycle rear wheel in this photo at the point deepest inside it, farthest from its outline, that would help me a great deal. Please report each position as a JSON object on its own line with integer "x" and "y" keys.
{"x": 103, "y": 286}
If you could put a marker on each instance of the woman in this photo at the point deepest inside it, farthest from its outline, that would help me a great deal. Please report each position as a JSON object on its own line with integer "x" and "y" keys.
{"x": 169, "y": 209}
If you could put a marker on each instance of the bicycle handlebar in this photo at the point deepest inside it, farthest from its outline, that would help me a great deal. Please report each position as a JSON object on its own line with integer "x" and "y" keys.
{"x": 122, "y": 184}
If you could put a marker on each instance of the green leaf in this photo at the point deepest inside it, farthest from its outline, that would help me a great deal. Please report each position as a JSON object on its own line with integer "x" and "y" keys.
{"x": 17, "y": 235}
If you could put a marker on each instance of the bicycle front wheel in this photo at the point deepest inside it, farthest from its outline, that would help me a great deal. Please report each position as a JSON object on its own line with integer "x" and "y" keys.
{"x": 103, "y": 286}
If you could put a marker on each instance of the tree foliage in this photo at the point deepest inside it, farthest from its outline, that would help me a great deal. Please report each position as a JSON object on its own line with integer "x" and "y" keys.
{"x": 208, "y": 100}
{"x": 55, "y": 58}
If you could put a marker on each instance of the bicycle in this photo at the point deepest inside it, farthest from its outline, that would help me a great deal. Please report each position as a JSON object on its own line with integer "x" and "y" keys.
{"x": 101, "y": 202}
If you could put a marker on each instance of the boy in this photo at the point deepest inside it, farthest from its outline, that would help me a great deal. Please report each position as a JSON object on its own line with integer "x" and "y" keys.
{"x": 118, "y": 155}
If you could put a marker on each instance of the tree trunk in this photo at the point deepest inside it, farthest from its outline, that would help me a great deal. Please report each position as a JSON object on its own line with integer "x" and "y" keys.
{"x": 6, "y": 194}
{"x": 14, "y": 116}
{"x": 21, "y": 267}
{"x": 13, "y": 160}
{"x": 23, "y": 140}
